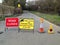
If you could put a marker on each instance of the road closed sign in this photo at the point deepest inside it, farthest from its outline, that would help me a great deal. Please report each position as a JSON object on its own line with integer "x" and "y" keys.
{"x": 26, "y": 23}
{"x": 11, "y": 22}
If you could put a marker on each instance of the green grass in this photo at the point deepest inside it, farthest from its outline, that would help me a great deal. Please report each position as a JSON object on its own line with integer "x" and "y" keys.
{"x": 53, "y": 18}
{"x": 3, "y": 17}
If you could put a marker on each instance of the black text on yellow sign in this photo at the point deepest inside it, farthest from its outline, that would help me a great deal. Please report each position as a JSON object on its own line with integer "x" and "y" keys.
{"x": 26, "y": 23}
{"x": 19, "y": 5}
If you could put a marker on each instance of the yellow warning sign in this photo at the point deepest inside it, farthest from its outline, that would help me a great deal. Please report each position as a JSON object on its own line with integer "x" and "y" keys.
{"x": 26, "y": 23}
{"x": 19, "y": 5}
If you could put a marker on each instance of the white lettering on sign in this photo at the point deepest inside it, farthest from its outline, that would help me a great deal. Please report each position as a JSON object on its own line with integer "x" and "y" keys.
{"x": 11, "y": 20}
{"x": 11, "y": 23}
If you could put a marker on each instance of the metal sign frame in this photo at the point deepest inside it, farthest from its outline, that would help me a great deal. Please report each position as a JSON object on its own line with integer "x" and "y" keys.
{"x": 6, "y": 27}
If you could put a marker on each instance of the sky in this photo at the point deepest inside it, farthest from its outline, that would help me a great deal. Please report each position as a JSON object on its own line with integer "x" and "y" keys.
{"x": 0, "y": 1}
{"x": 29, "y": 0}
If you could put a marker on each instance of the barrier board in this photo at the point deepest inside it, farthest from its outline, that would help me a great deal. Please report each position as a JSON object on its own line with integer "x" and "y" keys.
{"x": 11, "y": 22}
{"x": 26, "y": 23}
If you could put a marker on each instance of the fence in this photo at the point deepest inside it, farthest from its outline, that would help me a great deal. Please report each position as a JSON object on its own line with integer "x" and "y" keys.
{"x": 6, "y": 10}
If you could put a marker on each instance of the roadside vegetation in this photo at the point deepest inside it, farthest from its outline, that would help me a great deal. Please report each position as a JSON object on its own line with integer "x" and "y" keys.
{"x": 3, "y": 17}
{"x": 53, "y": 18}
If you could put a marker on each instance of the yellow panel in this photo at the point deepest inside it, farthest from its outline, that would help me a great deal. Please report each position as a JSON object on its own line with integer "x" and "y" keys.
{"x": 19, "y": 5}
{"x": 26, "y": 24}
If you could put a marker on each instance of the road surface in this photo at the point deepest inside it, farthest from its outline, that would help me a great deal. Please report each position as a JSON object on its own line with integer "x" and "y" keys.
{"x": 12, "y": 37}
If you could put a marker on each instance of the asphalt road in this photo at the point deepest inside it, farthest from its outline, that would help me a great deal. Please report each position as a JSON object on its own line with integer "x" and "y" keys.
{"x": 12, "y": 37}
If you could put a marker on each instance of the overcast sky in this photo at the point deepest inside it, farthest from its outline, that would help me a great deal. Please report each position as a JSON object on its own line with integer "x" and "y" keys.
{"x": 0, "y": 1}
{"x": 29, "y": 0}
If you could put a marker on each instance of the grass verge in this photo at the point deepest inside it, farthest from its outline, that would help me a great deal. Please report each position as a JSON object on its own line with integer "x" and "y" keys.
{"x": 53, "y": 18}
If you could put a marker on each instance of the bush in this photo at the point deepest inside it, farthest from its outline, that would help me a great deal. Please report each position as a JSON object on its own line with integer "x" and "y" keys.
{"x": 18, "y": 11}
{"x": 33, "y": 7}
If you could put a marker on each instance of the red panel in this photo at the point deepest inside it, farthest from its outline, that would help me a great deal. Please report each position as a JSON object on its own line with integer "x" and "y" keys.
{"x": 11, "y": 22}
